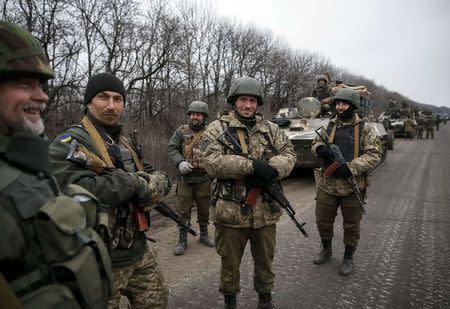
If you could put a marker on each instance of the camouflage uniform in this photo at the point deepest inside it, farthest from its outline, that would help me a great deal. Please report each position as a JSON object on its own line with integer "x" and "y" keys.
{"x": 429, "y": 126}
{"x": 335, "y": 191}
{"x": 233, "y": 227}
{"x": 43, "y": 263}
{"x": 409, "y": 128}
{"x": 420, "y": 126}
{"x": 135, "y": 267}
{"x": 193, "y": 186}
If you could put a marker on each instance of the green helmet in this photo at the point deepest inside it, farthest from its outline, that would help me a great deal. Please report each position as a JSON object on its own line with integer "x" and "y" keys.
{"x": 347, "y": 95}
{"x": 198, "y": 107}
{"x": 322, "y": 77}
{"x": 21, "y": 53}
{"x": 245, "y": 86}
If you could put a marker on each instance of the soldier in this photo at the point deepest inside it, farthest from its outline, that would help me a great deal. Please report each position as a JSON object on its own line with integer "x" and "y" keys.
{"x": 429, "y": 125}
{"x": 323, "y": 93}
{"x": 43, "y": 263}
{"x": 438, "y": 120}
{"x": 267, "y": 155}
{"x": 420, "y": 126}
{"x": 194, "y": 184}
{"x": 95, "y": 155}
{"x": 409, "y": 128}
{"x": 361, "y": 148}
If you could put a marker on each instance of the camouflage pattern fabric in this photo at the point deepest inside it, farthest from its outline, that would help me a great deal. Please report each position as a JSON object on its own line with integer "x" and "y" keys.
{"x": 177, "y": 143}
{"x": 235, "y": 168}
{"x": 326, "y": 211}
{"x": 21, "y": 53}
{"x": 187, "y": 194}
{"x": 142, "y": 283}
{"x": 321, "y": 93}
{"x": 371, "y": 148}
{"x": 230, "y": 245}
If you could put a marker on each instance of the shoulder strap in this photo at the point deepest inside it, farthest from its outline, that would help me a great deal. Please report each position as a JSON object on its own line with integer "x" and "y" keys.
{"x": 98, "y": 141}
{"x": 332, "y": 134}
{"x": 240, "y": 133}
{"x": 357, "y": 138}
{"x": 136, "y": 160}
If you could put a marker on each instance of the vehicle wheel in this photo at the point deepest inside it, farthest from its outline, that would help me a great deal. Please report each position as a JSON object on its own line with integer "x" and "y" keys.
{"x": 390, "y": 141}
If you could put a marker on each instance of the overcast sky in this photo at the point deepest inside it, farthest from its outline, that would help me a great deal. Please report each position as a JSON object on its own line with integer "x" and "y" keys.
{"x": 403, "y": 45}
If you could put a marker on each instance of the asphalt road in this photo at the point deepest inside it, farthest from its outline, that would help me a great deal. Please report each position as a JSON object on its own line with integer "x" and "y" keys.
{"x": 402, "y": 261}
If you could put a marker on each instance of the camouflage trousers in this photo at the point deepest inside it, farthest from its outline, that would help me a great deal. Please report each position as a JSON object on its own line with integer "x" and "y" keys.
{"x": 142, "y": 283}
{"x": 326, "y": 212}
{"x": 190, "y": 193}
{"x": 230, "y": 245}
{"x": 429, "y": 133}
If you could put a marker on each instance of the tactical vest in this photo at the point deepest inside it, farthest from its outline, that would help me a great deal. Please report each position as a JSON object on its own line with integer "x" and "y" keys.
{"x": 191, "y": 147}
{"x": 55, "y": 259}
{"x": 344, "y": 138}
{"x": 122, "y": 156}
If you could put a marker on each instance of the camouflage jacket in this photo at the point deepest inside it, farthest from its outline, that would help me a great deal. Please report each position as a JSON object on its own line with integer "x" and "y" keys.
{"x": 178, "y": 151}
{"x": 229, "y": 170}
{"x": 114, "y": 188}
{"x": 321, "y": 93}
{"x": 371, "y": 155}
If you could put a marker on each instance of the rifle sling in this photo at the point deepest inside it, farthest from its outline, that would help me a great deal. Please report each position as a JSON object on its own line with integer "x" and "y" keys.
{"x": 188, "y": 149}
{"x": 240, "y": 133}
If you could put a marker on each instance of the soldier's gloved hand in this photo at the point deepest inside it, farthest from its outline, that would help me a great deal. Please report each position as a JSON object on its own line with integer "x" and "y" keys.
{"x": 252, "y": 181}
{"x": 266, "y": 172}
{"x": 343, "y": 171}
{"x": 324, "y": 152}
{"x": 185, "y": 167}
{"x": 142, "y": 192}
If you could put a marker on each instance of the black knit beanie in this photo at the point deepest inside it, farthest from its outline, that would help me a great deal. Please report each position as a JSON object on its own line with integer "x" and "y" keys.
{"x": 103, "y": 82}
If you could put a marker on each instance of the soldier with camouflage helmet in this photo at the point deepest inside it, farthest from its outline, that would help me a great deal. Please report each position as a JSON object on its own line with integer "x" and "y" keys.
{"x": 97, "y": 156}
{"x": 194, "y": 184}
{"x": 265, "y": 155}
{"x": 323, "y": 92}
{"x": 361, "y": 148}
{"x": 43, "y": 263}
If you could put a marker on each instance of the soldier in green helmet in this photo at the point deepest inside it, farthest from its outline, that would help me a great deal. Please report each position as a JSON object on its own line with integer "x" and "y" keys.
{"x": 361, "y": 149}
{"x": 194, "y": 184}
{"x": 323, "y": 93}
{"x": 265, "y": 155}
{"x": 96, "y": 155}
{"x": 50, "y": 254}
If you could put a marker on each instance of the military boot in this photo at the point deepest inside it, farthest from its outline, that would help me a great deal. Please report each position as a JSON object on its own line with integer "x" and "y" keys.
{"x": 325, "y": 254}
{"x": 230, "y": 301}
{"x": 346, "y": 267}
{"x": 204, "y": 238}
{"x": 181, "y": 246}
{"x": 265, "y": 301}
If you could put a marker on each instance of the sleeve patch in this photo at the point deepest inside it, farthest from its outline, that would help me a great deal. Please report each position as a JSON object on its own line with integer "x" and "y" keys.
{"x": 65, "y": 138}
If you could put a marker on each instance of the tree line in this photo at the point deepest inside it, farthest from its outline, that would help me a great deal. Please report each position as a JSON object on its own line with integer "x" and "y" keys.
{"x": 168, "y": 53}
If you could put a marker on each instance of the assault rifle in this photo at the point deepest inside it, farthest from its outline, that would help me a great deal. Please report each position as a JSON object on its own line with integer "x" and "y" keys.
{"x": 97, "y": 165}
{"x": 275, "y": 189}
{"x": 338, "y": 160}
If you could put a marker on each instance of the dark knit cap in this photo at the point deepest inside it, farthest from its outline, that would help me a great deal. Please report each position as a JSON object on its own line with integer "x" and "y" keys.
{"x": 103, "y": 82}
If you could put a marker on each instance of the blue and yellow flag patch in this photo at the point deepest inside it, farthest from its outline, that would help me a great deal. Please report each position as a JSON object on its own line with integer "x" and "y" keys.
{"x": 66, "y": 138}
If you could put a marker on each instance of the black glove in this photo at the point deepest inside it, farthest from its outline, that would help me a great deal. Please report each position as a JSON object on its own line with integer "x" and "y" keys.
{"x": 324, "y": 152}
{"x": 343, "y": 171}
{"x": 252, "y": 181}
{"x": 266, "y": 172}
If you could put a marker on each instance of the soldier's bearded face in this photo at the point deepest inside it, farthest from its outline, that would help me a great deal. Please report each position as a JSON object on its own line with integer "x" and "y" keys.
{"x": 342, "y": 106}
{"x": 21, "y": 102}
{"x": 196, "y": 118}
{"x": 321, "y": 83}
{"x": 107, "y": 107}
{"x": 246, "y": 105}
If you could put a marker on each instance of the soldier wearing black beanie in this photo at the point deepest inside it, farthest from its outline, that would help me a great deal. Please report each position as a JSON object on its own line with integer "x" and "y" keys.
{"x": 103, "y": 82}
